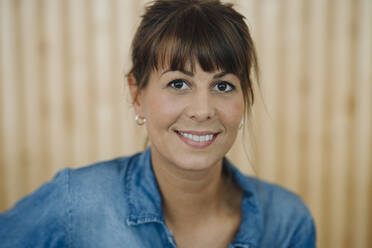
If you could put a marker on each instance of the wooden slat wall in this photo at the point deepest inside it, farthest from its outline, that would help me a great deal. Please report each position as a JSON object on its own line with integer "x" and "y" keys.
{"x": 64, "y": 102}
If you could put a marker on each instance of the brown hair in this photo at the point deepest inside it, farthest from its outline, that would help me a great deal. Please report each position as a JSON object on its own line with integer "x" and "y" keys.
{"x": 177, "y": 32}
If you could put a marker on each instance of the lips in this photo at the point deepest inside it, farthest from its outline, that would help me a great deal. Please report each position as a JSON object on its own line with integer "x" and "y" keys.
{"x": 197, "y": 139}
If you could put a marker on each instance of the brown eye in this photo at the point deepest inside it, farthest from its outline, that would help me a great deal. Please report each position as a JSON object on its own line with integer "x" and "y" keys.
{"x": 223, "y": 86}
{"x": 179, "y": 84}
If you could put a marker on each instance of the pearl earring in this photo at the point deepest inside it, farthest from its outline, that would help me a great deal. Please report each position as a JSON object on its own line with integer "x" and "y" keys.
{"x": 140, "y": 120}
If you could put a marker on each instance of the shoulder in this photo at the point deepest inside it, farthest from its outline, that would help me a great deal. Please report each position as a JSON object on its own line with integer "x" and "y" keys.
{"x": 30, "y": 222}
{"x": 277, "y": 199}
{"x": 102, "y": 169}
{"x": 284, "y": 218}
{"x": 43, "y": 218}
{"x": 104, "y": 181}
{"x": 287, "y": 220}
{"x": 99, "y": 173}
{"x": 270, "y": 198}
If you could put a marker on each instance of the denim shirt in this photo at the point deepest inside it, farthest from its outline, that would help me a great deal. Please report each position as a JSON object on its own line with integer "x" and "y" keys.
{"x": 118, "y": 204}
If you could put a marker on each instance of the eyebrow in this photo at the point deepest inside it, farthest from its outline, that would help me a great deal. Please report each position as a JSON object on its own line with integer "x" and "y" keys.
{"x": 189, "y": 73}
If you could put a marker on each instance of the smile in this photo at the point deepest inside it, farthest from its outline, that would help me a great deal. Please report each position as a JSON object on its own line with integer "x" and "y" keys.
{"x": 197, "y": 139}
{"x": 194, "y": 137}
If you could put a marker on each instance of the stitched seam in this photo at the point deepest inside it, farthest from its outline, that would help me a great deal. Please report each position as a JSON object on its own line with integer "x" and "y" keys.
{"x": 128, "y": 184}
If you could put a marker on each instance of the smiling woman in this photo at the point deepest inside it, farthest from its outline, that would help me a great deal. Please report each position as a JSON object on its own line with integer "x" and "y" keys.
{"x": 191, "y": 85}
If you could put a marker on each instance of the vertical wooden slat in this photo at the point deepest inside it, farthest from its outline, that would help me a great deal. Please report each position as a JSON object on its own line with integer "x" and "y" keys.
{"x": 54, "y": 83}
{"x": 360, "y": 169}
{"x": 92, "y": 124}
{"x": 290, "y": 109}
{"x": 117, "y": 80}
{"x": 68, "y": 104}
{"x": 259, "y": 110}
{"x": 251, "y": 10}
{"x": 350, "y": 111}
{"x": 32, "y": 125}
{"x": 79, "y": 101}
{"x": 9, "y": 103}
{"x": 326, "y": 119}
{"x": 20, "y": 97}
{"x": 3, "y": 187}
{"x": 268, "y": 39}
{"x": 281, "y": 87}
{"x": 304, "y": 108}
{"x": 317, "y": 102}
{"x": 44, "y": 168}
{"x": 3, "y": 170}
{"x": 124, "y": 117}
{"x": 103, "y": 116}
{"x": 340, "y": 75}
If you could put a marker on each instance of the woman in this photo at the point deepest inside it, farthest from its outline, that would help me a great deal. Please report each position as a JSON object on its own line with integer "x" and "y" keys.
{"x": 191, "y": 84}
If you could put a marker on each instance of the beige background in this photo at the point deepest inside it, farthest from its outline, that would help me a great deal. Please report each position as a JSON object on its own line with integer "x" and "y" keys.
{"x": 64, "y": 103}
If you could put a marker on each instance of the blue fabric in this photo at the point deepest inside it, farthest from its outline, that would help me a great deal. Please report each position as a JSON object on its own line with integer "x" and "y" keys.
{"x": 117, "y": 204}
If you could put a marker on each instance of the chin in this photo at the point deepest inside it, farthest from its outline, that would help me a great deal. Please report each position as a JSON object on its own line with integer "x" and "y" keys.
{"x": 196, "y": 163}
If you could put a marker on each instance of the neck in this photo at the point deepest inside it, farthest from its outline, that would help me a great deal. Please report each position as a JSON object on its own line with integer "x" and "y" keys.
{"x": 189, "y": 195}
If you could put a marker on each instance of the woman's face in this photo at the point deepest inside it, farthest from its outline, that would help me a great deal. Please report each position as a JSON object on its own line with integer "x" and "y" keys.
{"x": 192, "y": 118}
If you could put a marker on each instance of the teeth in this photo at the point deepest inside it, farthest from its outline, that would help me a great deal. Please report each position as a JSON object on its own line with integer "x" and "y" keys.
{"x": 197, "y": 138}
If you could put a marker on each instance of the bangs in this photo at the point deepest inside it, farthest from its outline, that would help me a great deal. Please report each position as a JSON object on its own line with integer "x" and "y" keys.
{"x": 176, "y": 35}
{"x": 193, "y": 36}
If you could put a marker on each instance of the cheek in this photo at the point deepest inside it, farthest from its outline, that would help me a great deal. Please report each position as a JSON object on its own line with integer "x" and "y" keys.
{"x": 231, "y": 112}
{"x": 160, "y": 108}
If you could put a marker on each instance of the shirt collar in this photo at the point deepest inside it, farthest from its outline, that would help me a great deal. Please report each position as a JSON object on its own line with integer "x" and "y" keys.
{"x": 252, "y": 223}
{"x": 144, "y": 198}
{"x": 145, "y": 204}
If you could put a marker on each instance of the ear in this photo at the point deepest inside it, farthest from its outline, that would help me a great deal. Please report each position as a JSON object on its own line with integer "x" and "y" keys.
{"x": 135, "y": 94}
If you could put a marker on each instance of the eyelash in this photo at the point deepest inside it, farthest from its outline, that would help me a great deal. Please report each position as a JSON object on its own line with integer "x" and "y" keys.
{"x": 230, "y": 86}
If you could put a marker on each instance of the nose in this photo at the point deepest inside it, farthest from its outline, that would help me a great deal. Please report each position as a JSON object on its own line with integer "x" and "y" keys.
{"x": 201, "y": 107}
